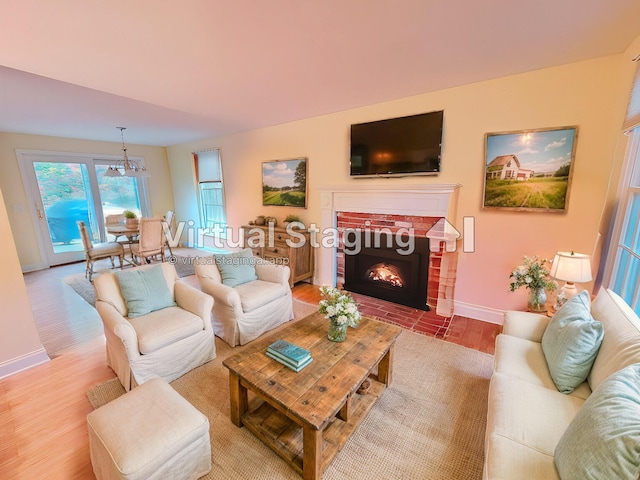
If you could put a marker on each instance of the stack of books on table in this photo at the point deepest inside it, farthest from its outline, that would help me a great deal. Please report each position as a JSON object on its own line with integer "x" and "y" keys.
{"x": 293, "y": 356}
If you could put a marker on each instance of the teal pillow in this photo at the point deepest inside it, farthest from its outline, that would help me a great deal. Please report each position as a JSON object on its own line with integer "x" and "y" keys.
{"x": 144, "y": 290}
{"x": 237, "y": 268}
{"x": 603, "y": 440}
{"x": 571, "y": 342}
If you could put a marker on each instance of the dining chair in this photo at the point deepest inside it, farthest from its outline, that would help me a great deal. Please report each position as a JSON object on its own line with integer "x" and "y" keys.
{"x": 168, "y": 229}
{"x": 98, "y": 251}
{"x": 151, "y": 241}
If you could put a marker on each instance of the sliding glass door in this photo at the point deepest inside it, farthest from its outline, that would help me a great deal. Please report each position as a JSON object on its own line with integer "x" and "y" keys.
{"x": 66, "y": 188}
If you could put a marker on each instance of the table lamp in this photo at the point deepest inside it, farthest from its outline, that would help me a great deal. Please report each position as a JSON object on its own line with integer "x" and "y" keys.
{"x": 570, "y": 267}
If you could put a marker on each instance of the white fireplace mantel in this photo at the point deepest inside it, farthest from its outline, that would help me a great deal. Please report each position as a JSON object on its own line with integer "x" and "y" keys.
{"x": 431, "y": 200}
{"x": 425, "y": 200}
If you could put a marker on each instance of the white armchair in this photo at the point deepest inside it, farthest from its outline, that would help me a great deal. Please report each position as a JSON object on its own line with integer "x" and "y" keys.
{"x": 165, "y": 343}
{"x": 244, "y": 312}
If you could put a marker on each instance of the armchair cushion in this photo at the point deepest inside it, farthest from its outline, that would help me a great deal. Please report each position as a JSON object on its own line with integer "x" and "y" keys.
{"x": 258, "y": 293}
{"x": 144, "y": 290}
{"x": 237, "y": 268}
{"x": 164, "y": 327}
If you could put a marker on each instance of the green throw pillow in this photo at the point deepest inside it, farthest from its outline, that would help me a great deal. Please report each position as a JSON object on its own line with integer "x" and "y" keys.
{"x": 571, "y": 342}
{"x": 237, "y": 268}
{"x": 144, "y": 290}
{"x": 603, "y": 440}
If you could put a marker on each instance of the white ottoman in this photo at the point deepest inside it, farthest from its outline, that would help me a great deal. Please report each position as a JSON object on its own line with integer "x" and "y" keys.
{"x": 149, "y": 433}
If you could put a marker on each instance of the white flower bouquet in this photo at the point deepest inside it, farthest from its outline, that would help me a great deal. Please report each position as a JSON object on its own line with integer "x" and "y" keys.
{"x": 339, "y": 306}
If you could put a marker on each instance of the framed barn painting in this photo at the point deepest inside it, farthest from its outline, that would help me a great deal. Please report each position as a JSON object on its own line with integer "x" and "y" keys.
{"x": 284, "y": 183}
{"x": 529, "y": 170}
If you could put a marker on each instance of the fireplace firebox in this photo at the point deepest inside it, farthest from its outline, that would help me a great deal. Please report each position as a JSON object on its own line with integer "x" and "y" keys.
{"x": 387, "y": 267}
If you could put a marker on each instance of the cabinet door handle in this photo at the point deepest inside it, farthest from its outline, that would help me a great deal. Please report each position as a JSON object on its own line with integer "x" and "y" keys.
{"x": 275, "y": 250}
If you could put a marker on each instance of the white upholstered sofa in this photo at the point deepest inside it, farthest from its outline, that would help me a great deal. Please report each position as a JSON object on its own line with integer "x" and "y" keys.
{"x": 251, "y": 295}
{"x": 530, "y": 422}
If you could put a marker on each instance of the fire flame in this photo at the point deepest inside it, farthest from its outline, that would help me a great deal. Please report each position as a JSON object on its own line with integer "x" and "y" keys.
{"x": 386, "y": 274}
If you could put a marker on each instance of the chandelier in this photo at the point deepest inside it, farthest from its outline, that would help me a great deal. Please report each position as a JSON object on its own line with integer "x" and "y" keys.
{"x": 126, "y": 167}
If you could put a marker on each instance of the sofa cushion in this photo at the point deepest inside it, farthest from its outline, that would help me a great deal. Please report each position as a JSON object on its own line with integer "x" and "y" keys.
{"x": 237, "y": 268}
{"x": 164, "y": 327}
{"x": 507, "y": 459}
{"x": 571, "y": 342}
{"x": 603, "y": 440}
{"x": 621, "y": 344}
{"x": 528, "y": 414}
{"x": 144, "y": 290}
{"x": 524, "y": 359}
{"x": 258, "y": 293}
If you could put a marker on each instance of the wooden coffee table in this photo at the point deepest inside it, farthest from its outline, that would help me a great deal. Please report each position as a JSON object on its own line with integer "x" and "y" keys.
{"x": 306, "y": 417}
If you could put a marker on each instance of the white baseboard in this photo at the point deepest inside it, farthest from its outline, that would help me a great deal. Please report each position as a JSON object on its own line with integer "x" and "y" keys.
{"x": 478, "y": 312}
{"x": 33, "y": 267}
{"x": 23, "y": 362}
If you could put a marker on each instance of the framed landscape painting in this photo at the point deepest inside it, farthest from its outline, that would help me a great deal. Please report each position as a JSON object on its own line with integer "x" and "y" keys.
{"x": 529, "y": 170}
{"x": 284, "y": 182}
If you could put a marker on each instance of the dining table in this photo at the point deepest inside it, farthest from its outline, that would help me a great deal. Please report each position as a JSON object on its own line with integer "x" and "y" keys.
{"x": 124, "y": 230}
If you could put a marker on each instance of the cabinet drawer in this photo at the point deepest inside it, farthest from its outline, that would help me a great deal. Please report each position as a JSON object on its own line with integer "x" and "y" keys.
{"x": 276, "y": 251}
{"x": 280, "y": 238}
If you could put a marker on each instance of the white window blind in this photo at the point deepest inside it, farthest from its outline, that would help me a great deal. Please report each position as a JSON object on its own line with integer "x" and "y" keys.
{"x": 625, "y": 245}
{"x": 211, "y": 189}
{"x": 209, "y": 168}
{"x": 632, "y": 120}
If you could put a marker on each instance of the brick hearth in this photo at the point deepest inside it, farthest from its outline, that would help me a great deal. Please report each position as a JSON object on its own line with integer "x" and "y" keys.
{"x": 419, "y": 321}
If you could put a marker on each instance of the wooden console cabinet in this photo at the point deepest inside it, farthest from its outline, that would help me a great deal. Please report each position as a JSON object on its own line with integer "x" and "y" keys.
{"x": 277, "y": 245}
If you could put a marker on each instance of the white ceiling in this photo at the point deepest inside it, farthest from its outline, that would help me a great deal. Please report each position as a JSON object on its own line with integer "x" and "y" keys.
{"x": 173, "y": 72}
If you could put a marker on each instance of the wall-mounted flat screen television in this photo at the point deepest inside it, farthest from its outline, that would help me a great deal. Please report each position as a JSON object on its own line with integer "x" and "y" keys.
{"x": 397, "y": 146}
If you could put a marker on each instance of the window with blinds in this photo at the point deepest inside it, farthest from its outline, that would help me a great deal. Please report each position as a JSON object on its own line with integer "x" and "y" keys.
{"x": 625, "y": 245}
{"x": 626, "y": 269}
{"x": 211, "y": 189}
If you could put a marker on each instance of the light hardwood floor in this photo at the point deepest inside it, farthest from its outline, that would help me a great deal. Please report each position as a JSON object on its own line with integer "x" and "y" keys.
{"x": 43, "y": 410}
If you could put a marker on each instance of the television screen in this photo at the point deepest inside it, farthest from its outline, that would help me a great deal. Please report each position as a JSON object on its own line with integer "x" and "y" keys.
{"x": 397, "y": 146}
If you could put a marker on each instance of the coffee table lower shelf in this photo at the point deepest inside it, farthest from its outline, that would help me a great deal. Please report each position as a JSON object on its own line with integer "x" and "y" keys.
{"x": 285, "y": 437}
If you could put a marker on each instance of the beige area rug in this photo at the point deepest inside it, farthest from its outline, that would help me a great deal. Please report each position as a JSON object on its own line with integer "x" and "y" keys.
{"x": 428, "y": 425}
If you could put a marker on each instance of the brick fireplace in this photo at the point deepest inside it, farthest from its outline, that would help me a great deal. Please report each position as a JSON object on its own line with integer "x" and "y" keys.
{"x": 419, "y": 226}
{"x": 421, "y": 208}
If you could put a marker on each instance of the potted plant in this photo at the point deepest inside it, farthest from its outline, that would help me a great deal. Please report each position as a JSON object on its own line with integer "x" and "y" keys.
{"x": 130, "y": 218}
{"x": 293, "y": 219}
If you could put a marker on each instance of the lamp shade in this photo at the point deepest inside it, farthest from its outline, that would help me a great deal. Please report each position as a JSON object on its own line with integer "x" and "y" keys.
{"x": 571, "y": 267}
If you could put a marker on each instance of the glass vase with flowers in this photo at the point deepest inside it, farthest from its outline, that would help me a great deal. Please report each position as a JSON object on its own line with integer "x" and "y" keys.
{"x": 339, "y": 307}
{"x": 533, "y": 274}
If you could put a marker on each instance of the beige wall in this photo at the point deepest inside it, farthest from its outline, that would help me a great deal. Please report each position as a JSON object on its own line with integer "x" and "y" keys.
{"x": 590, "y": 94}
{"x": 160, "y": 191}
{"x": 20, "y": 345}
